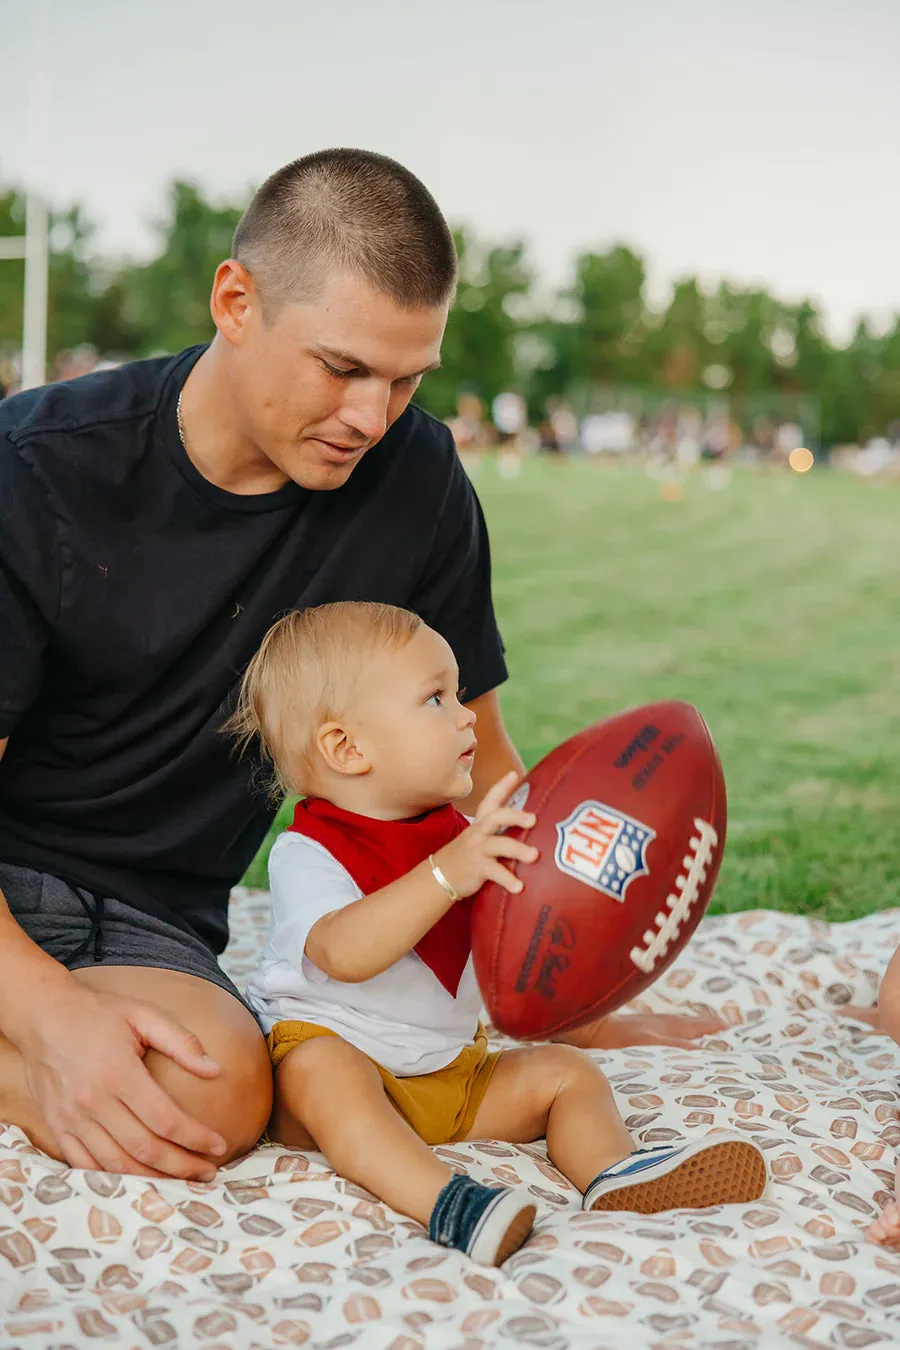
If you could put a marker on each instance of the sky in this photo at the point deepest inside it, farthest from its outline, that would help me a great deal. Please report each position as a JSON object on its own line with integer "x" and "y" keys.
{"x": 756, "y": 140}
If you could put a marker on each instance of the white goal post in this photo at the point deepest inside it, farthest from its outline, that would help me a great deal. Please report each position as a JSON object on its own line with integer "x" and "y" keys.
{"x": 33, "y": 246}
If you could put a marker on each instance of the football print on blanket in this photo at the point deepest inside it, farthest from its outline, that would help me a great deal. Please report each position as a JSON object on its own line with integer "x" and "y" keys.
{"x": 630, "y": 825}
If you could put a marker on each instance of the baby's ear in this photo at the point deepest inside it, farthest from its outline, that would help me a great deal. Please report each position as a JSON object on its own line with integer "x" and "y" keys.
{"x": 339, "y": 750}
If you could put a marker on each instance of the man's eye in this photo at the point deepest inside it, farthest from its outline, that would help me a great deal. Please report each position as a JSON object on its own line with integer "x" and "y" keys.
{"x": 336, "y": 371}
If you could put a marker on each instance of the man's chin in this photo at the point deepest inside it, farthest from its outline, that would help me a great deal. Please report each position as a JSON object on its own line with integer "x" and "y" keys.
{"x": 321, "y": 476}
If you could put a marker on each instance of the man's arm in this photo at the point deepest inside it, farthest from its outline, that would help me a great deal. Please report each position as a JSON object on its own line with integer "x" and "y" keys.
{"x": 25, "y": 971}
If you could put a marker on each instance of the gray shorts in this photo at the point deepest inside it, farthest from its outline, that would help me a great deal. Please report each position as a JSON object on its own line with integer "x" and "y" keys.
{"x": 69, "y": 924}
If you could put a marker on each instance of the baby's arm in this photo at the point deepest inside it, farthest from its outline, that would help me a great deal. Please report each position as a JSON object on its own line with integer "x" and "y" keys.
{"x": 364, "y": 938}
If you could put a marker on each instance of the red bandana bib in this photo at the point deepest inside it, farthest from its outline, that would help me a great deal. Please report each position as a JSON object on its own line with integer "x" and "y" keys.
{"x": 377, "y": 852}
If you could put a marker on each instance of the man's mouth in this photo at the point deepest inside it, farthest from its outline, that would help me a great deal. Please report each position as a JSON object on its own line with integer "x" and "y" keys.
{"x": 337, "y": 453}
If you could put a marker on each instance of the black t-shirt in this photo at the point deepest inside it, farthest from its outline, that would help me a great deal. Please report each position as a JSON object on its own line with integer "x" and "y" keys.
{"x": 133, "y": 592}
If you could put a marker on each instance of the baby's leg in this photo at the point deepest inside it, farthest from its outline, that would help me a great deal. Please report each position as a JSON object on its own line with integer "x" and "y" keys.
{"x": 557, "y": 1091}
{"x": 328, "y": 1095}
{"x": 560, "y": 1091}
{"x": 333, "y": 1093}
{"x": 886, "y": 1228}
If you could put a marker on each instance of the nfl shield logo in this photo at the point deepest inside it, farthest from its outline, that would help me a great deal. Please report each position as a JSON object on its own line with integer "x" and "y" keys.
{"x": 603, "y": 848}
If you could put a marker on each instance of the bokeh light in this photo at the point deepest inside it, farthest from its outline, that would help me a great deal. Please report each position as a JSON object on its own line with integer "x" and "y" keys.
{"x": 801, "y": 460}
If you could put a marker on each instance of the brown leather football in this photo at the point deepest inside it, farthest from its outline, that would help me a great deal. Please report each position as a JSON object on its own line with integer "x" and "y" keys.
{"x": 631, "y": 817}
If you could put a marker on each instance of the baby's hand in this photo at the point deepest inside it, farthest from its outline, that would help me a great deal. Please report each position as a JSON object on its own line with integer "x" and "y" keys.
{"x": 471, "y": 858}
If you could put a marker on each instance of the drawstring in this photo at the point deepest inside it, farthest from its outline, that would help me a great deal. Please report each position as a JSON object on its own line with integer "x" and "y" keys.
{"x": 95, "y": 934}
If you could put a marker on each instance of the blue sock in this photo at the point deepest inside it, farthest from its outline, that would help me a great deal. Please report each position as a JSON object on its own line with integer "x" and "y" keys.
{"x": 487, "y": 1223}
{"x": 457, "y": 1210}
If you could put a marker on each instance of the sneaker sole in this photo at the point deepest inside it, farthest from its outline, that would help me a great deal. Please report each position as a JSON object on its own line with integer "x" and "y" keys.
{"x": 515, "y": 1234}
{"x": 730, "y": 1173}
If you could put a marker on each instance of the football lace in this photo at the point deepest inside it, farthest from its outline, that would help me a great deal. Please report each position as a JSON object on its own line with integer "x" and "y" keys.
{"x": 678, "y": 904}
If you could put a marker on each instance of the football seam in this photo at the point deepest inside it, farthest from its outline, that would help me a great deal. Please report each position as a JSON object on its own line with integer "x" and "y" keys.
{"x": 679, "y": 901}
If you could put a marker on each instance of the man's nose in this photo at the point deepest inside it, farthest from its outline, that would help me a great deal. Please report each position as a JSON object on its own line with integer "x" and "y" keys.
{"x": 366, "y": 409}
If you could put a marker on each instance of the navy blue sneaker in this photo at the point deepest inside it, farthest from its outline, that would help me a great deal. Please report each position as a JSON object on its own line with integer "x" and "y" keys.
{"x": 488, "y": 1223}
{"x": 719, "y": 1169}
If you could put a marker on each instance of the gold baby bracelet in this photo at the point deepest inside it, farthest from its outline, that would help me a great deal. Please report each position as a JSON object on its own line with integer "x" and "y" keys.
{"x": 442, "y": 880}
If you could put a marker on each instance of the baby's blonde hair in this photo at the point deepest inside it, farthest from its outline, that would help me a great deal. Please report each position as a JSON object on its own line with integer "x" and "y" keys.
{"x": 303, "y": 675}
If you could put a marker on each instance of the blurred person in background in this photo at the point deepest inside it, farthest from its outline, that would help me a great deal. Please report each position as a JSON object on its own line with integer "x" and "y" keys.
{"x": 9, "y": 377}
{"x": 468, "y": 427}
{"x": 70, "y": 365}
{"x": 564, "y": 424}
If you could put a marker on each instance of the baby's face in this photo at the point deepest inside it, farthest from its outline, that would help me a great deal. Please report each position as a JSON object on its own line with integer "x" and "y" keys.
{"x": 418, "y": 735}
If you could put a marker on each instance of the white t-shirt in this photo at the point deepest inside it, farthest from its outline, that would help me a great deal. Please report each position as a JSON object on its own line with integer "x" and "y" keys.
{"x": 403, "y": 1018}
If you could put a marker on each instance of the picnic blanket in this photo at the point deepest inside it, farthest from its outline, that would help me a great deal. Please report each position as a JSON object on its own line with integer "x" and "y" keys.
{"x": 278, "y": 1251}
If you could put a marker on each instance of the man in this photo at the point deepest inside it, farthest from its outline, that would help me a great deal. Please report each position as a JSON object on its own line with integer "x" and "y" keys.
{"x": 154, "y": 520}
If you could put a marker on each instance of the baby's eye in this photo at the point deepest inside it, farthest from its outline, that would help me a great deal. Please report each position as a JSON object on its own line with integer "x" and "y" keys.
{"x": 434, "y": 698}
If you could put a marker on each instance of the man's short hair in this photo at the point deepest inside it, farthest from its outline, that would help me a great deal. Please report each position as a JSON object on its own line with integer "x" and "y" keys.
{"x": 346, "y": 210}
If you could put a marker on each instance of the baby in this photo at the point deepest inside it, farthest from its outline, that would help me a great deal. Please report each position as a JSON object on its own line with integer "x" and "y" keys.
{"x": 366, "y": 986}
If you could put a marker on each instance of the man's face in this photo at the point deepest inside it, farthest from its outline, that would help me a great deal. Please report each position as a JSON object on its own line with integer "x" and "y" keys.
{"x": 322, "y": 382}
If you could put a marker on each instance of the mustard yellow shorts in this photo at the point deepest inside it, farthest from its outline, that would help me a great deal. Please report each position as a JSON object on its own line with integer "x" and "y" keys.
{"x": 441, "y": 1107}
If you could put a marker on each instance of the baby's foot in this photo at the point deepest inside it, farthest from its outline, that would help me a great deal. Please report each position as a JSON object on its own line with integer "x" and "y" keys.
{"x": 886, "y": 1228}
{"x": 719, "y": 1169}
{"x": 488, "y": 1223}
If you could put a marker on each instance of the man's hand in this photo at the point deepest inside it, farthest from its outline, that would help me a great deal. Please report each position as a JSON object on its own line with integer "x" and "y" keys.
{"x": 617, "y": 1032}
{"x": 83, "y": 1057}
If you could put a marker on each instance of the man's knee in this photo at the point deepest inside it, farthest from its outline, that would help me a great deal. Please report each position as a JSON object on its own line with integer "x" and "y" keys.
{"x": 238, "y": 1101}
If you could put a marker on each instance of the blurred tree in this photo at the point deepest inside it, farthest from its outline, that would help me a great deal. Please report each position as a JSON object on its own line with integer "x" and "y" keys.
{"x": 597, "y": 332}
{"x": 166, "y": 301}
{"x": 753, "y": 320}
{"x": 809, "y": 364}
{"x": 677, "y": 348}
{"x": 479, "y": 348}
{"x": 847, "y": 400}
{"x": 884, "y": 406}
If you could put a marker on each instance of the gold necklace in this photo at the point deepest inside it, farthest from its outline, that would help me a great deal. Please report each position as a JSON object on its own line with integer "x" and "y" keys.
{"x": 180, "y": 419}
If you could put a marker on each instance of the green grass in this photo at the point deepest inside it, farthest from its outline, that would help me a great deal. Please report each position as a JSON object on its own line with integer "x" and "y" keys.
{"x": 772, "y": 606}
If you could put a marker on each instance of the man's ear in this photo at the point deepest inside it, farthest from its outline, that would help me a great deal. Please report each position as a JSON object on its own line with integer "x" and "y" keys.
{"x": 233, "y": 299}
{"x": 340, "y": 751}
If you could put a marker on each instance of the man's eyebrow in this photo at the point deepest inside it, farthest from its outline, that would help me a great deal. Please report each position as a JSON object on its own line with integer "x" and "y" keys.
{"x": 361, "y": 365}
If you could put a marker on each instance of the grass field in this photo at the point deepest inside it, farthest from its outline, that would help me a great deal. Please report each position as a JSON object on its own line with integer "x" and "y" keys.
{"x": 772, "y": 606}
